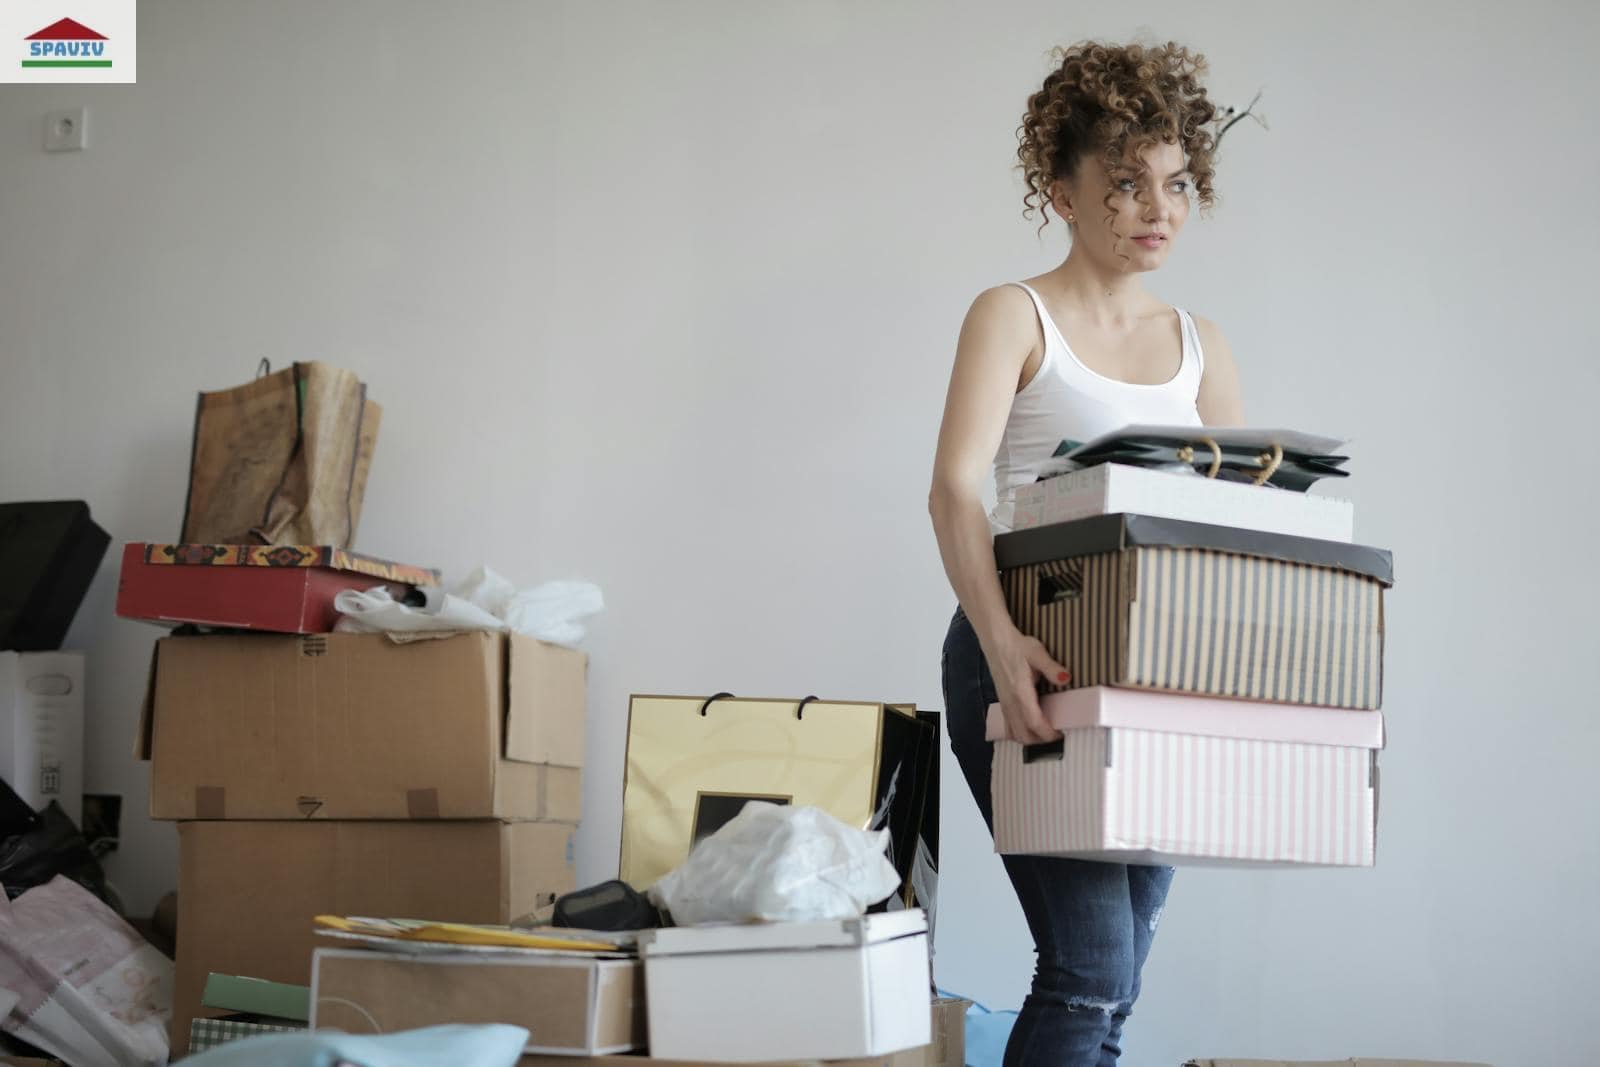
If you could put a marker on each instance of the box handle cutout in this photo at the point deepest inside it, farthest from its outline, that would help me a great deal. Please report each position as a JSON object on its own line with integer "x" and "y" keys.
{"x": 1054, "y": 588}
{"x": 1053, "y": 751}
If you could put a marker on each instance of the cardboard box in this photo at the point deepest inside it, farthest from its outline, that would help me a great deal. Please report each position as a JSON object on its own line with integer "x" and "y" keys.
{"x": 1362, "y": 1062}
{"x": 50, "y": 552}
{"x": 568, "y": 1004}
{"x": 277, "y": 588}
{"x": 41, "y": 728}
{"x": 1155, "y": 603}
{"x": 356, "y": 726}
{"x": 816, "y": 990}
{"x": 248, "y": 891}
{"x": 692, "y": 763}
{"x": 1162, "y": 779}
{"x": 949, "y": 1045}
{"x": 1109, "y": 488}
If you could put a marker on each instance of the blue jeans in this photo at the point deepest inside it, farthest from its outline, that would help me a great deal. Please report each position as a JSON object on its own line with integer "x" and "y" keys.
{"x": 1092, "y": 923}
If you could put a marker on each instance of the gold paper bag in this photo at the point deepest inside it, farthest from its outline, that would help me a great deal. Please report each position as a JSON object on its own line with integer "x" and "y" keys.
{"x": 693, "y": 762}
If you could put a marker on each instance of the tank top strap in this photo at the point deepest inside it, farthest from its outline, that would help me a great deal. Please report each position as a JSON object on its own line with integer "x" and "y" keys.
{"x": 1047, "y": 329}
{"x": 1192, "y": 352}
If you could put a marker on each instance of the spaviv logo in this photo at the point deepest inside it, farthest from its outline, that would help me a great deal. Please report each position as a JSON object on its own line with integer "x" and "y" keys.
{"x": 66, "y": 43}
{"x": 96, "y": 42}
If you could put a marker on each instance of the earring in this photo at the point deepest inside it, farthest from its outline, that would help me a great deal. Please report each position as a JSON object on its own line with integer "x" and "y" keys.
{"x": 1072, "y": 218}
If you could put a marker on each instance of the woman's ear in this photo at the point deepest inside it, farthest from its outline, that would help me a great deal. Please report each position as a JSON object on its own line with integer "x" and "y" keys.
{"x": 1061, "y": 200}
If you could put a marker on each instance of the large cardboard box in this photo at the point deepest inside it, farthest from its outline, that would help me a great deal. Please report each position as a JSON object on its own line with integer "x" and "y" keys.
{"x": 1109, "y": 488}
{"x": 286, "y": 589}
{"x": 248, "y": 891}
{"x": 41, "y": 728}
{"x": 1155, "y": 778}
{"x": 1155, "y": 603}
{"x": 836, "y": 989}
{"x": 357, "y": 726}
{"x": 569, "y": 1005}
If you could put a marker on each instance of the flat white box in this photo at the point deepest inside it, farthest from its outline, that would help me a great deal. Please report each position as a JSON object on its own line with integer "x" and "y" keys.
{"x": 41, "y": 728}
{"x": 1159, "y": 778}
{"x": 838, "y": 989}
{"x": 1109, "y": 488}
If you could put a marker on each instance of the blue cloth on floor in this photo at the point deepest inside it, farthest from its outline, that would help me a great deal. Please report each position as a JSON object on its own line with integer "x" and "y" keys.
{"x": 986, "y": 1033}
{"x": 493, "y": 1045}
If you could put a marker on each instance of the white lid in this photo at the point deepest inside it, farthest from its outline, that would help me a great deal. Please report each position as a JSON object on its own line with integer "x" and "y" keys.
{"x": 767, "y": 937}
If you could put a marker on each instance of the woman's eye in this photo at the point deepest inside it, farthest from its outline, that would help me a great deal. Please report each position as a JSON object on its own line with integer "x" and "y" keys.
{"x": 1180, "y": 187}
{"x": 1127, "y": 185}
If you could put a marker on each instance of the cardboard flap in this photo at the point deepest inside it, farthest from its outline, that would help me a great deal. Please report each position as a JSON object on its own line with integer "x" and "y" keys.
{"x": 544, "y": 702}
{"x": 1204, "y": 716}
{"x": 147, "y": 710}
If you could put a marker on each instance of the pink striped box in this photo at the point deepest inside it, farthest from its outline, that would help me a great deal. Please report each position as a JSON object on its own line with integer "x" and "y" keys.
{"x": 1143, "y": 777}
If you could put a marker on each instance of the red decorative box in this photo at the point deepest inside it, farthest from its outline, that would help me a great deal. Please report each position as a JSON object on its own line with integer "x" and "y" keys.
{"x": 279, "y": 588}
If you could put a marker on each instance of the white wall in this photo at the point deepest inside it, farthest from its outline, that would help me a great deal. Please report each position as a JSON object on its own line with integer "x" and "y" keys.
{"x": 666, "y": 295}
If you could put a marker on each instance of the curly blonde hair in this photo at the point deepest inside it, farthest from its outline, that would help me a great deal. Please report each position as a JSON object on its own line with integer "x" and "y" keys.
{"x": 1111, "y": 99}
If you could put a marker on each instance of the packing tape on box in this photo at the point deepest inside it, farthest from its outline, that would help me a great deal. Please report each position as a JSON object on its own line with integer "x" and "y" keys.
{"x": 210, "y": 802}
{"x": 422, "y": 803}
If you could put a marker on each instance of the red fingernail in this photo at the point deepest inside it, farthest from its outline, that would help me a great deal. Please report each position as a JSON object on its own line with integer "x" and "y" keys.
{"x": 1063, "y": 676}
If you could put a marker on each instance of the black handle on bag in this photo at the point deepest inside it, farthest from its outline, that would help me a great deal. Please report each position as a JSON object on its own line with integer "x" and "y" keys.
{"x": 714, "y": 696}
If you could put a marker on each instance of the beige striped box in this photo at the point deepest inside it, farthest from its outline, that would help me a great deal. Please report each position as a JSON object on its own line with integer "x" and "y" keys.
{"x": 1155, "y": 778}
{"x": 1151, "y": 603}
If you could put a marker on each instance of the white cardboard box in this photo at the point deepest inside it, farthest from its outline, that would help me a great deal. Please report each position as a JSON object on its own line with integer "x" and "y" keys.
{"x": 1109, "y": 488}
{"x": 1159, "y": 778}
{"x": 41, "y": 728}
{"x": 839, "y": 989}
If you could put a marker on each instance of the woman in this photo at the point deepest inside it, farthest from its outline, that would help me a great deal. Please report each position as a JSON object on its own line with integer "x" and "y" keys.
{"x": 1117, "y": 142}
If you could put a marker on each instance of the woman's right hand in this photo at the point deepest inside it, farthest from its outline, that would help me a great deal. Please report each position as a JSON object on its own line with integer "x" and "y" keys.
{"x": 1017, "y": 662}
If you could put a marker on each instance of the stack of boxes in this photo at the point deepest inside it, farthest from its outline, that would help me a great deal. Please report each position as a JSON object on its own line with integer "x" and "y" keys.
{"x": 1225, "y": 643}
{"x": 352, "y": 774}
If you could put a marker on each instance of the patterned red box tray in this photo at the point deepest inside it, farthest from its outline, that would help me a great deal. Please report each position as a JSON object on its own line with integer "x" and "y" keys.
{"x": 277, "y": 588}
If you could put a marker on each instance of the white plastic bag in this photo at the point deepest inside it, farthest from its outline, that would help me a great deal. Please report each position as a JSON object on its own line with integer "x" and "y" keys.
{"x": 779, "y": 863}
{"x": 481, "y": 601}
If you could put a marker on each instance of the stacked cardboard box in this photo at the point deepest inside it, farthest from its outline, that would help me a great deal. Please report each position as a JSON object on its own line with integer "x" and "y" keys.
{"x": 1226, "y": 679}
{"x": 352, "y": 774}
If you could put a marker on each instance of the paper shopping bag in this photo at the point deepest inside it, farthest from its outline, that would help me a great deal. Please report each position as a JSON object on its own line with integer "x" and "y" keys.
{"x": 282, "y": 460}
{"x": 694, "y": 762}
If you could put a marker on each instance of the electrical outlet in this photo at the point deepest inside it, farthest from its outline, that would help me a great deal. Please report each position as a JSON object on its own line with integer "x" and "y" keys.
{"x": 64, "y": 130}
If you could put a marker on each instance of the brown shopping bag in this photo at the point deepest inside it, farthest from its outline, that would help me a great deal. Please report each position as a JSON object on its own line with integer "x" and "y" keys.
{"x": 282, "y": 460}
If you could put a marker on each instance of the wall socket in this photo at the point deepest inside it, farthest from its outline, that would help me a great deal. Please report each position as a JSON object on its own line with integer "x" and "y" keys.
{"x": 64, "y": 131}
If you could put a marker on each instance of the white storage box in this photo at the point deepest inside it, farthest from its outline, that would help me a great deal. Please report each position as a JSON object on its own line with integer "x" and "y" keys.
{"x": 1109, "y": 488}
{"x": 41, "y": 728}
{"x": 838, "y": 989}
{"x": 1142, "y": 777}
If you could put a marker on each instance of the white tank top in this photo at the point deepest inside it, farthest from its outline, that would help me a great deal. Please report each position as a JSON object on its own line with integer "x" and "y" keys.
{"x": 1068, "y": 401}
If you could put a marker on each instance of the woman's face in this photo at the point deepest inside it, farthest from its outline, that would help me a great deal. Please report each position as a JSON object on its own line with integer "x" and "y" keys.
{"x": 1148, "y": 204}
